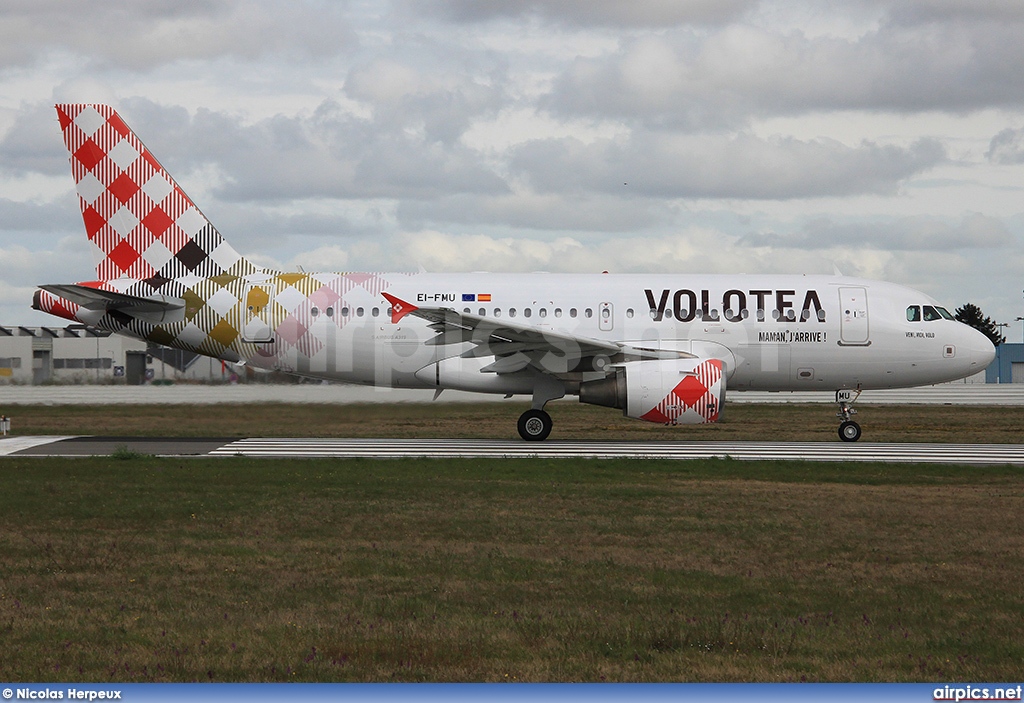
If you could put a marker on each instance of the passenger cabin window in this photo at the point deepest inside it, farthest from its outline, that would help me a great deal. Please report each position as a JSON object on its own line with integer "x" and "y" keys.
{"x": 914, "y": 313}
{"x": 543, "y": 312}
{"x": 330, "y": 312}
{"x": 344, "y": 312}
{"x": 572, "y": 312}
{"x": 359, "y": 312}
{"x": 482, "y": 312}
{"x": 931, "y": 313}
{"x": 511, "y": 312}
{"x": 527, "y": 312}
{"x": 314, "y": 311}
{"x": 558, "y": 312}
{"x": 588, "y": 312}
{"x": 376, "y": 312}
{"x": 629, "y": 312}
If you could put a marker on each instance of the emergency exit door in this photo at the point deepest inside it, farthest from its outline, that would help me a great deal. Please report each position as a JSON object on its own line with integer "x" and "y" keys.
{"x": 853, "y": 317}
{"x": 258, "y": 305}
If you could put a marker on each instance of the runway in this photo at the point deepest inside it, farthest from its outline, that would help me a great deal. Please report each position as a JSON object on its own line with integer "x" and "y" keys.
{"x": 508, "y": 449}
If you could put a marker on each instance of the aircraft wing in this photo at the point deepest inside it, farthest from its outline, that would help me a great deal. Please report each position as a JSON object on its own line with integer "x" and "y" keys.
{"x": 516, "y": 345}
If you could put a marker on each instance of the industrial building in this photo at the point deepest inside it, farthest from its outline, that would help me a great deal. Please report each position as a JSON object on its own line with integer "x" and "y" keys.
{"x": 81, "y": 354}
{"x": 1008, "y": 366}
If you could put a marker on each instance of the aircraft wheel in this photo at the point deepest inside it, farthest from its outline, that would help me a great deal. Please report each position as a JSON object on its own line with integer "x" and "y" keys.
{"x": 535, "y": 425}
{"x": 849, "y": 431}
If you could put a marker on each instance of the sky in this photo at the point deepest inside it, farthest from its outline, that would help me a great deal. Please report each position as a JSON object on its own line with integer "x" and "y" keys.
{"x": 880, "y": 138}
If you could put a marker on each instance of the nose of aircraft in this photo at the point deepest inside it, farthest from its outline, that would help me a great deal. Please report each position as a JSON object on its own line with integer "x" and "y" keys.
{"x": 980, "y": 350}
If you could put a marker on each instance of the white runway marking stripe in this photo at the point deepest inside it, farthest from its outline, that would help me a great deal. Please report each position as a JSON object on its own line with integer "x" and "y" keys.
{"x": 10, "y": 445}
{"x": 475, "y": 448}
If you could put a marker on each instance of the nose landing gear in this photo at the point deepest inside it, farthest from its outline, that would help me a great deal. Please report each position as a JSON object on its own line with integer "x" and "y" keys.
{"x": 849, "y": 431}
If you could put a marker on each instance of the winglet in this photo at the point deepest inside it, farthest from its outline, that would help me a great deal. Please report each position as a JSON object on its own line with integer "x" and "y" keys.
{"x": 399, "y": 308}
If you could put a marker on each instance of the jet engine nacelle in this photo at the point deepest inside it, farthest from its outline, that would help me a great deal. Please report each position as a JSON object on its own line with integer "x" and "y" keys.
{"x": 669, "y": 391}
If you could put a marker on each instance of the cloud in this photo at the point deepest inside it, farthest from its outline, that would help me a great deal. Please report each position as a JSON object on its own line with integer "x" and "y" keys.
{"x": 147, "y": 33}
{"x": 538, "y": 211}
{"x": 1007, "y": 147}
{"x": 910, "y": 234}
{"x": 330, "y": 153}
{"x": 441, "y": 103}
{"x": 913, "y": 12}
{"x": 326, "y": 258}
{"x": 587, "y": 13}
{"x": 39, "y": 218}
{"x": 722, "y": 79}
{"x": 714, "y": 166}
{"x": 70, "y": 259}
{"x": 33, "y": 143}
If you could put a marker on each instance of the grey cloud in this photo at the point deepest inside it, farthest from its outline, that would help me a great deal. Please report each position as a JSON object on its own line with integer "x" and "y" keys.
{"x": 34, "y": 144}
{"x": 265, "y": 227}
{"x": 656, "y": 165}
{"x": 148, "y": 33}
{"x": 61, "y": 216}
{"x": 546, "y": 212}
{"x": 67, "y": 259}
{"x": 1007, "y": 147}
{"x": 721, "y": 79}
{"x": 586, "y": 13}
{"x": 921, "y": 11}
{"x": 910, "y": 234}
{"x": 443, "y": 102}
{"x": 328, "y": 153}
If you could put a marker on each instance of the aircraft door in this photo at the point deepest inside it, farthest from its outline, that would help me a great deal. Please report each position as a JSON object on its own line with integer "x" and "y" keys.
{"x": 605, "y": 317}
{"x": 259, "y": 305}
{"x": 853, "y": 317}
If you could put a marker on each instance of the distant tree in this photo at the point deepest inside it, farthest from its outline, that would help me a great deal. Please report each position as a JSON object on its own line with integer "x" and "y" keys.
{"x": 972, "y": 315}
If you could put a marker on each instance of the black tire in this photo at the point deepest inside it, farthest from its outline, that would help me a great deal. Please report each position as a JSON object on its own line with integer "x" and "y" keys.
{"x": 849, "y": 431}
{"x": 535, "y": 425}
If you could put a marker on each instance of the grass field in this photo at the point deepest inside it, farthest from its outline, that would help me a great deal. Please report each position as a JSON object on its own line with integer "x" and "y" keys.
{"x": 144, "y": 569}
{"x": 784, "y": 422}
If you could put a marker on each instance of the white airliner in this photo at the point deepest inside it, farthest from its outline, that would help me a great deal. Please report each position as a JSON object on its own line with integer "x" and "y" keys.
{"x": 659, "y": 347}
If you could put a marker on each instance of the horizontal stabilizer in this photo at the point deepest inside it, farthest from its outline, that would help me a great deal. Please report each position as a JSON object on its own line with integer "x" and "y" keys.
{"x": 154, "y": 309}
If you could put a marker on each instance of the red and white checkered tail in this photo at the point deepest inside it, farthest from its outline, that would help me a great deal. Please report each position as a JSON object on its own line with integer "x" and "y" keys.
{"x": 142, "y": 223}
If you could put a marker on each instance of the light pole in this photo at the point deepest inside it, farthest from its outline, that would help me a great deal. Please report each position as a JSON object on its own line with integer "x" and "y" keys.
{"x": 1021, "y": 319}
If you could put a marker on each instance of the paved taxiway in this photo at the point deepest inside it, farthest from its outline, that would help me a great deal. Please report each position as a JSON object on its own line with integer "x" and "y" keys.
{"x": 480, "y": 448}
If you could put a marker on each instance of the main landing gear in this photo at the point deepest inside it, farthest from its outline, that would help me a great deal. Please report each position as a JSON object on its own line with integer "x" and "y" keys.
{"x": 849, "y": 431}
{"x": 535, "y": 424}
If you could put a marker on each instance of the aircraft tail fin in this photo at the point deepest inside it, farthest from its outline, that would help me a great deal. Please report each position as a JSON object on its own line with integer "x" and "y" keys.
{"x": 142, "y": 223}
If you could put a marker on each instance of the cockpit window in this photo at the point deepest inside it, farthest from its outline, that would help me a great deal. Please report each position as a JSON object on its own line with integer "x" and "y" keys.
{"x": 914, "y": 313}
{"x": 931, "y": 313}
{"x": 945, "y": 313}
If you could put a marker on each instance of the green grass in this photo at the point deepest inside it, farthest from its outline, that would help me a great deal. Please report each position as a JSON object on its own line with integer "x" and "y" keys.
{"x": 742, "y": 421}
{"x": 145, "y": 569}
